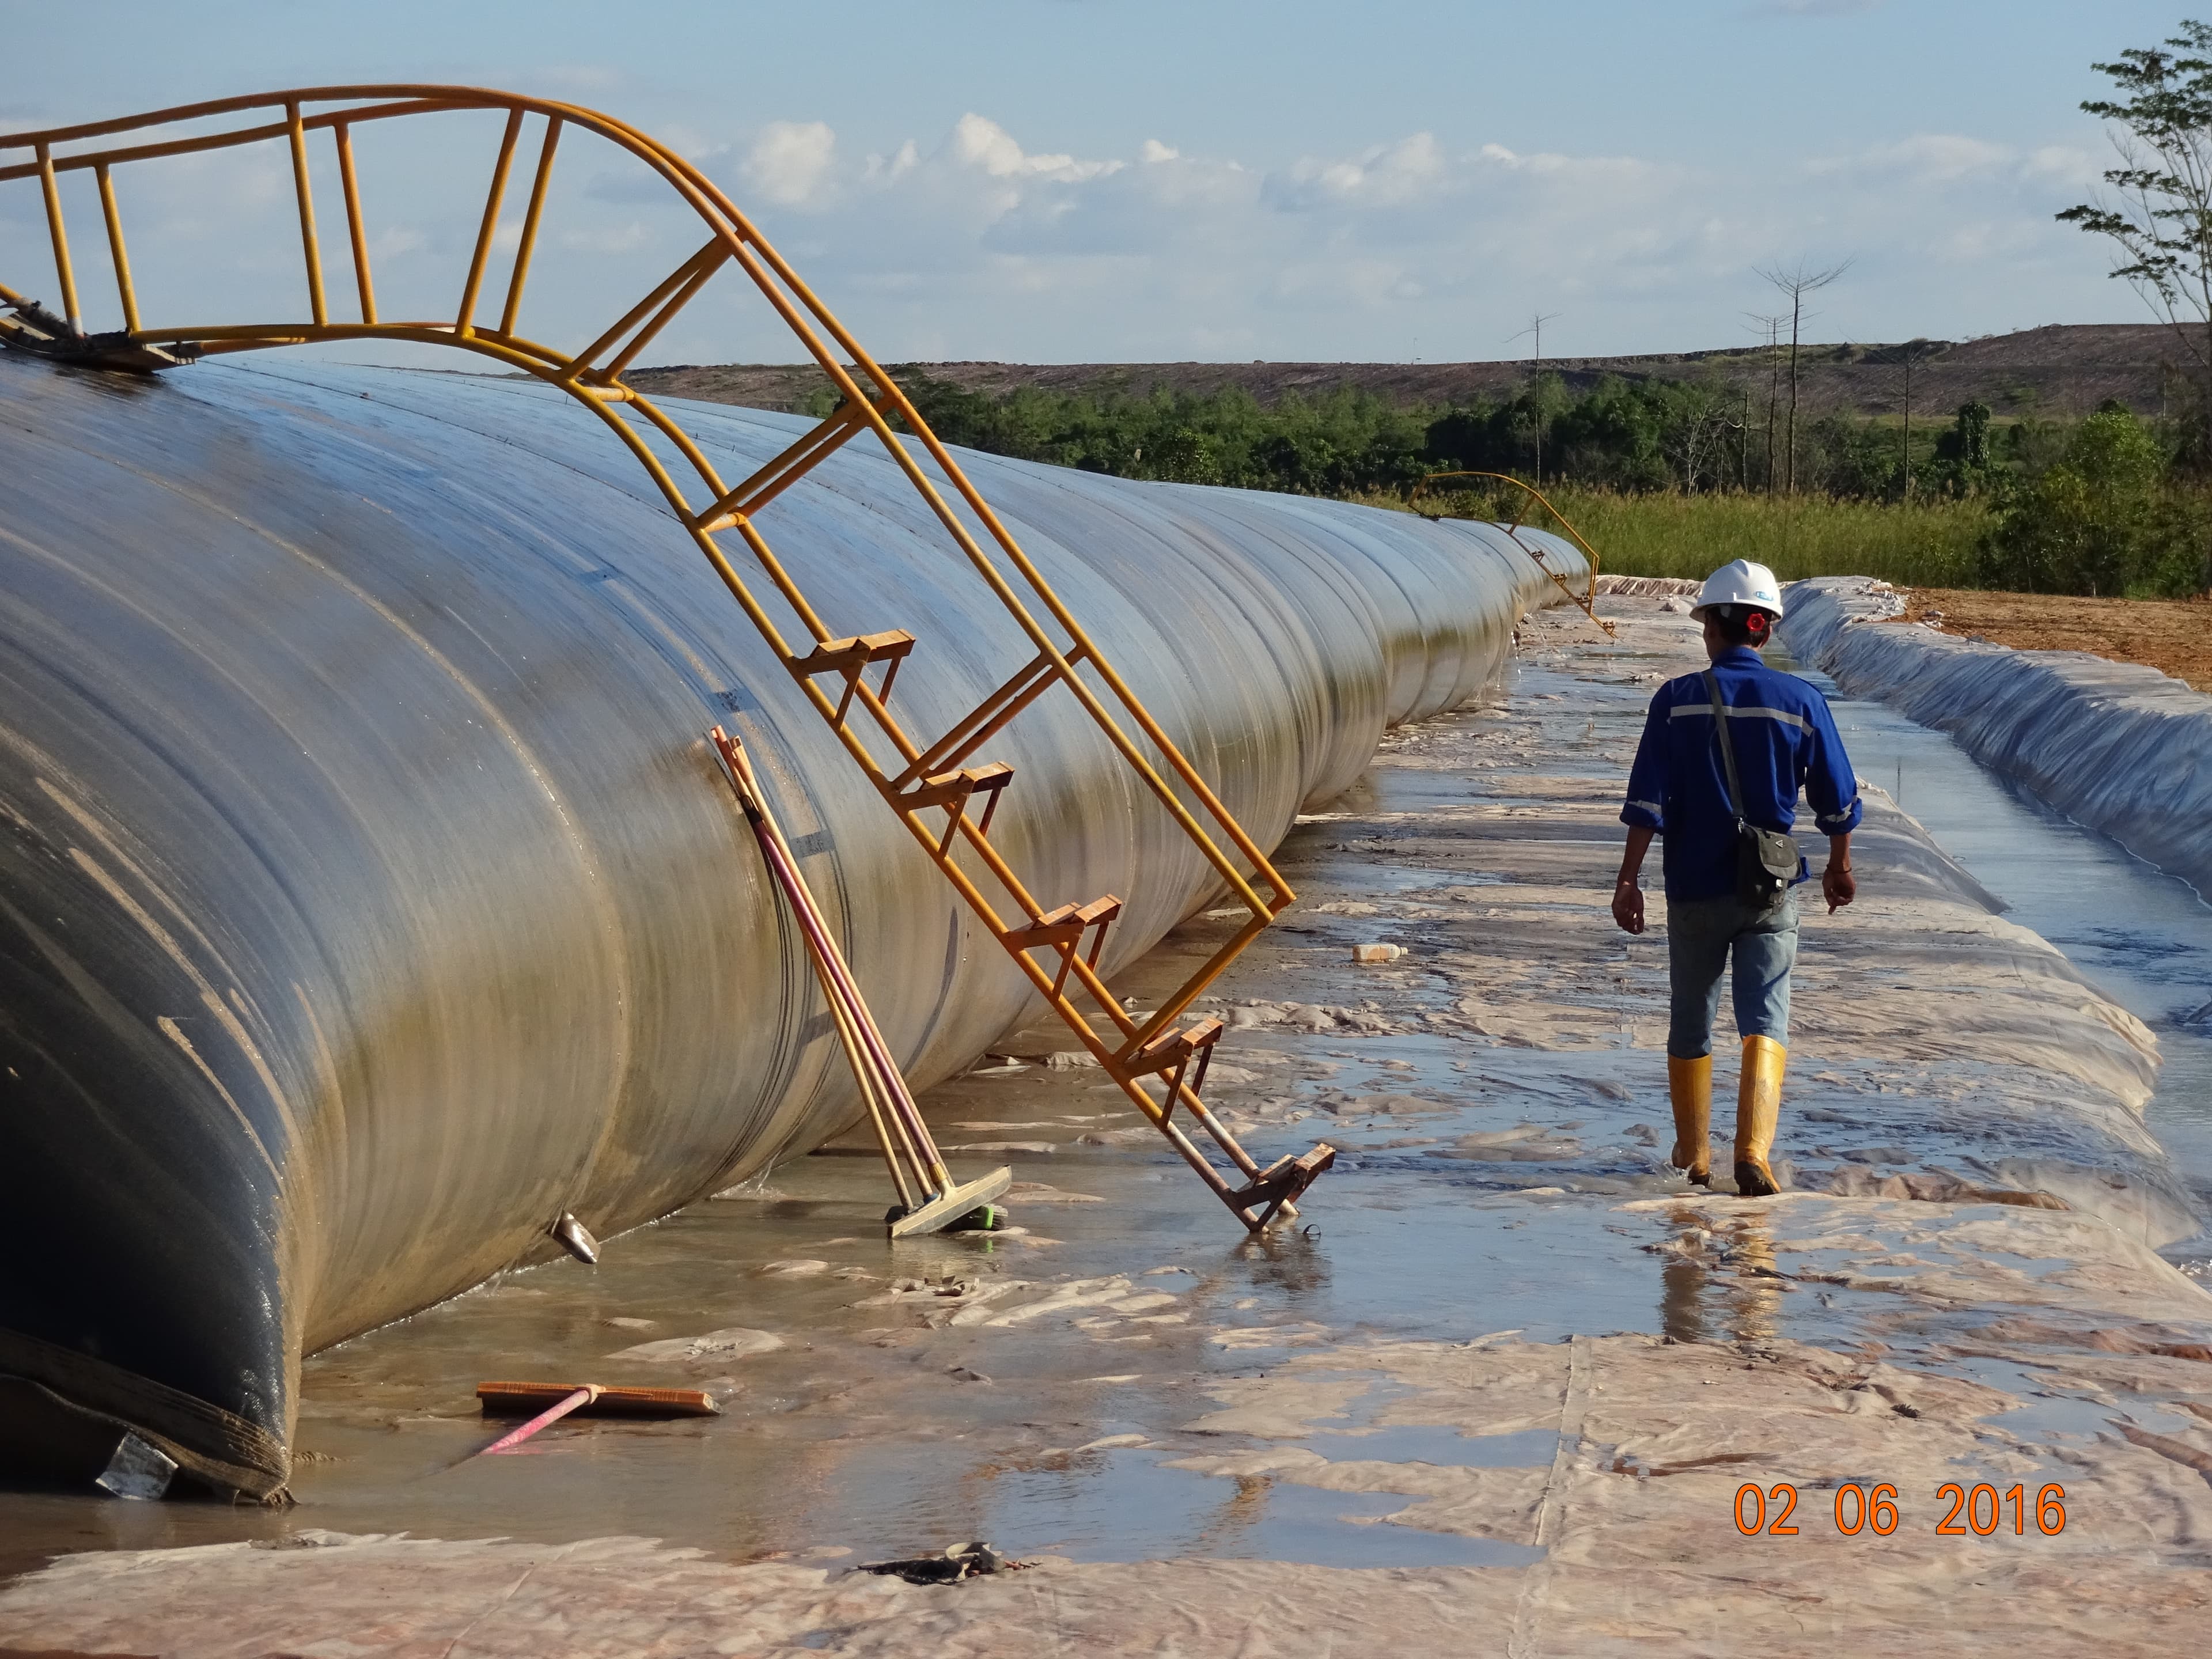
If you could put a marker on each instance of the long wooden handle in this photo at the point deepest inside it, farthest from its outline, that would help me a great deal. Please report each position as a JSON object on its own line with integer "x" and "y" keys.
{"x": 839, "y": 984}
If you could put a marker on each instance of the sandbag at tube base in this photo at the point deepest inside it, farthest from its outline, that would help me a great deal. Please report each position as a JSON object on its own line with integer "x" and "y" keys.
{"x": 1724, "y": 755}
{"x": 370, "y": 898}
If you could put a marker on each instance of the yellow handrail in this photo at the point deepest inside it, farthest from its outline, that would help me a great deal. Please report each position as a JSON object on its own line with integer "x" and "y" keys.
{"x": 1586, "y": 599}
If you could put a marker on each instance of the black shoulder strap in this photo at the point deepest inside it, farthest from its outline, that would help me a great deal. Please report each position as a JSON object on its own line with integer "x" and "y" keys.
{"x": 1728, "y": 744}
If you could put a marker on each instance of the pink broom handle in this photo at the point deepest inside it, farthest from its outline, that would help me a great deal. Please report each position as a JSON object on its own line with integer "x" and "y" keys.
{"x": 583, "y": 1397}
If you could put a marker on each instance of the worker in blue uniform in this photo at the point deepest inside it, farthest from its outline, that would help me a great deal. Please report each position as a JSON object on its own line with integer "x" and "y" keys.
{"x": 1731, "y": 892}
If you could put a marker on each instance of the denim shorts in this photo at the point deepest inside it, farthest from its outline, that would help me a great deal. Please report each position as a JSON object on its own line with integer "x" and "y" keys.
{"x": 1700, "y": 935}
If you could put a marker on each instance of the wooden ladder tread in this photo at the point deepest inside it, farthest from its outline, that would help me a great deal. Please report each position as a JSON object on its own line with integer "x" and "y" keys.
{"x": 947, "y": 787}
{"x": 1288, "y": 1176}
{"x": 1063, "y": 925}
{"x": 856, "y": 651}
{"x": 1173, "y": 1047}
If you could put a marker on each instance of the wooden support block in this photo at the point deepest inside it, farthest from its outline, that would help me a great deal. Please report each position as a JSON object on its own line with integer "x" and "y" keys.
{"x": 523, "y": 1398}
{"x": 941, "y": 1213}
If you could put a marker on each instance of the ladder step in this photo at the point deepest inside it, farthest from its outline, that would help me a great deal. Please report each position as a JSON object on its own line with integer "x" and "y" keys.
{"x": 1064, "y": 925}
{"x": 850, "y": 657}
{"x": 1062, "y": 929}
{"x": 1169, "y": 1056}
{"x": 856, "y": 652}
{"x": 1283, "y": 1182}
{"x": 952, "y": 788}
{"x": 1172, "y": 1048}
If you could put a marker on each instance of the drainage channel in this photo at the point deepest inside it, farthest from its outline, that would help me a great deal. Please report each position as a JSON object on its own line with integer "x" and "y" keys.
{"x": 2144, "y": 937}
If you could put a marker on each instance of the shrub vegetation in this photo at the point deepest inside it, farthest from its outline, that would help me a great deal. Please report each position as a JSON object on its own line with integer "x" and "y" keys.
{"x": 1671, "y": 477}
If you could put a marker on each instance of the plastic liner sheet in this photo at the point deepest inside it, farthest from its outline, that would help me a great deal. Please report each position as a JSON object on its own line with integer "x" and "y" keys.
{"x": 368, "y": 897}
{"x": 2118, "y": 746}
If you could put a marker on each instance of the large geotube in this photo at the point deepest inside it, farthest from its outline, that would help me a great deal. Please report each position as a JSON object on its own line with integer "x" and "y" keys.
{"x": 368, "y": 898}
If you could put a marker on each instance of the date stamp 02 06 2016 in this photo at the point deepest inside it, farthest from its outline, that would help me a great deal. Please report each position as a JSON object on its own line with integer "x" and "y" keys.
{"x": 1976, "y": 1511}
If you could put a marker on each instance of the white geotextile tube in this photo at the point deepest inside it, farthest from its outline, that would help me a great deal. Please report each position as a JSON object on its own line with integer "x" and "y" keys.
{"x": 2119, "y": 747}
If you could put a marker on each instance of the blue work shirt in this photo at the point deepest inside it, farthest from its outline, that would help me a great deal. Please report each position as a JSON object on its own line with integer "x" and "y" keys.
{"x": 1785, "y": 739}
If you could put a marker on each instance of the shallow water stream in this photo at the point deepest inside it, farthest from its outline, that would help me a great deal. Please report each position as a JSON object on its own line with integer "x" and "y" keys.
{"x": 2144, "y": 937}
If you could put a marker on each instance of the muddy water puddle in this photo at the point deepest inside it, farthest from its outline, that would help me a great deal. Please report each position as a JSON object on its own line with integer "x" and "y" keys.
{"x": 865, "y": 1428}
{"x": 864, "y": 1433}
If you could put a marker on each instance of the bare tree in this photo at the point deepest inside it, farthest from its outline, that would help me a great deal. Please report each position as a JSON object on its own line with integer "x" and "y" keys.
{"x": 1904, "y": 444}
{"x": 1536, "y": 381}
{"x": 1909, "y": 354}
{"x": 1774, "y": 327}
{"x": 1695, "y": 440}
{"x": 2158, "y": 214}
{"x": 1794, "y": 283}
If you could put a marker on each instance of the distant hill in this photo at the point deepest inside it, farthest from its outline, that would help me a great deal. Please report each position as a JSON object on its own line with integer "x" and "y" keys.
{"x": 2059, "y": 371}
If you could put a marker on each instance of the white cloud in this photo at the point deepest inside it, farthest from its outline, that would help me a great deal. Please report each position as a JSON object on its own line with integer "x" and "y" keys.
{"x": 979, "y": 142}
{"x": 2062, "y": 164}
{"x": 791, "y": 162}
{"x": 1937, "y": 157}
{"x": 1419, "y": 173}
{"x": 1948, "y": 163}
{"x": 1385, "y": 175}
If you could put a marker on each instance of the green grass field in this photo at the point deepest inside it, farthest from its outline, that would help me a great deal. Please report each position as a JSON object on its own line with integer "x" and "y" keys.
{"x": 1925, "y": 544}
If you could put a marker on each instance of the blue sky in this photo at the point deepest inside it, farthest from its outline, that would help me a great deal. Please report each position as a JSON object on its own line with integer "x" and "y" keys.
{"x": 1125, "y": 179}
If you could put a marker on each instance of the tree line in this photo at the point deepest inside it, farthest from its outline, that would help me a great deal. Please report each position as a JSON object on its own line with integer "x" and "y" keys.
{"x": 2108, "y": 504}
{"x": 1630, "y": 436}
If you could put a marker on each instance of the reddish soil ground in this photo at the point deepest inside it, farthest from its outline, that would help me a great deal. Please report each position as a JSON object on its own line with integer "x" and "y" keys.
{"x": 2173, "y": 636}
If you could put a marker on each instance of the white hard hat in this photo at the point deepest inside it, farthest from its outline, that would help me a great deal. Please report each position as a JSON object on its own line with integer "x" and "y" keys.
{"x": 1741, "y": 583}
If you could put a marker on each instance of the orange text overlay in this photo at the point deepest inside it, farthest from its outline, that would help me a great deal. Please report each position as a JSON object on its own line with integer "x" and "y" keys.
{"x": 1976, "y": 1511}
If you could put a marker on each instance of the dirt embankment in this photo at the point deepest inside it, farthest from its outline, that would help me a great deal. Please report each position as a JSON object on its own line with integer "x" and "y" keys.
{"x": 2171, "y": 635}
{"x": 2063, "y": 371}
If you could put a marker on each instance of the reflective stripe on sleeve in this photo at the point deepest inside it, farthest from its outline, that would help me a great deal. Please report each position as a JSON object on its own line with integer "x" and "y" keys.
{"x": 1651, "y": 806}
{"x": 1690, "y": 710}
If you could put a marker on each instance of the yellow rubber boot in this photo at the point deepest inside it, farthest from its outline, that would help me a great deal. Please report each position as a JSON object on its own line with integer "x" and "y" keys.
{"x": 1690, "y": 1086}
{"x": 1757, "y": 1109}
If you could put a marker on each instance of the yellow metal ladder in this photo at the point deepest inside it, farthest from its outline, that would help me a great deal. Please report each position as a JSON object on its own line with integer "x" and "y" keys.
{"x": 938, "y": 784}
